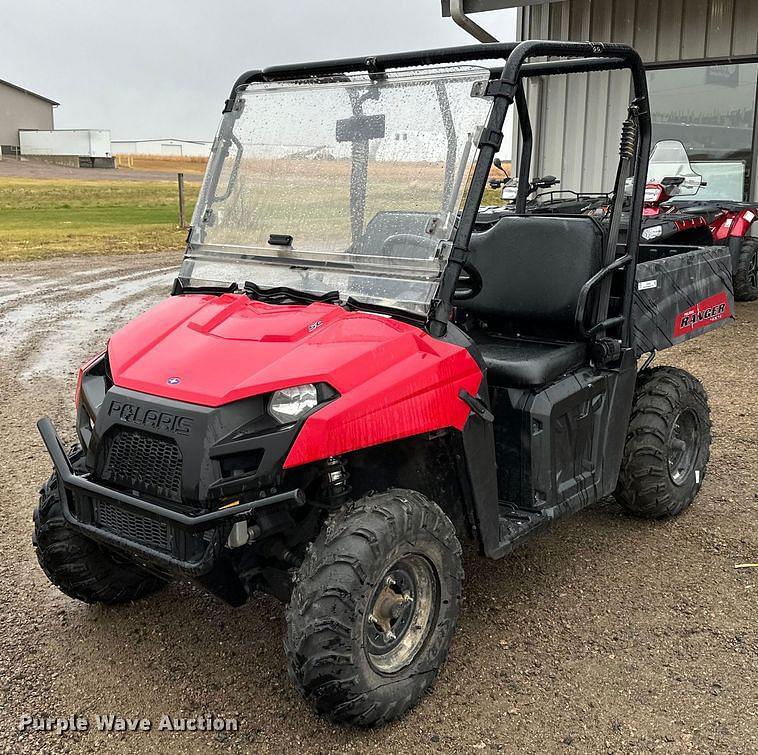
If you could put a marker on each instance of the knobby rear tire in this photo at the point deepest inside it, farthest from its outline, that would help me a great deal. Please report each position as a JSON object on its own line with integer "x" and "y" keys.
{"x": 746, "y": 275}
{"x": 655, "y": 482}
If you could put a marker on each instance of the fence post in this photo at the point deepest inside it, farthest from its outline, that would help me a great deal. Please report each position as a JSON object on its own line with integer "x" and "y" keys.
{"x": 180, "y": 178}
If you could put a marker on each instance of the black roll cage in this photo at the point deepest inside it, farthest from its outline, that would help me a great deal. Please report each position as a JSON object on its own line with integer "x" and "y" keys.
{"x": 505, "y": 88}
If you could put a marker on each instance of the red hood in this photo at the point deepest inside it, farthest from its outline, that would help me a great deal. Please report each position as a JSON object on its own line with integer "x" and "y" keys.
{"x": 212, "y": 350}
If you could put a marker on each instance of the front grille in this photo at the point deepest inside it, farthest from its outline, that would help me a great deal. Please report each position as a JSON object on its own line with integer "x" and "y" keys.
{"x": 144, "y": 462}
{"x": 134, "y": 527}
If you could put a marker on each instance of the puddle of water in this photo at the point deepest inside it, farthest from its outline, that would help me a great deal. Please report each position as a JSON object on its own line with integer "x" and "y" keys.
{"x": 76, "y": 325}
{"x": 15, "y": 325}
{"x": 101, "y": 271}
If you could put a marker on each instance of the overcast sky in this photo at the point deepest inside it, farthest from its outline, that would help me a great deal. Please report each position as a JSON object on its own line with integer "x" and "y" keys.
{"x": 163, "y": 68}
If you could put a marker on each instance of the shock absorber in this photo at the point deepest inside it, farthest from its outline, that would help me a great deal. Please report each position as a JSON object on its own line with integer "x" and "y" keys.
{"x": 335, "y": 484}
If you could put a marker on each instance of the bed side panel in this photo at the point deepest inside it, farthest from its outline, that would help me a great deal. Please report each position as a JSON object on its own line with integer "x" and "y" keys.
{"x": 680, "y": 296}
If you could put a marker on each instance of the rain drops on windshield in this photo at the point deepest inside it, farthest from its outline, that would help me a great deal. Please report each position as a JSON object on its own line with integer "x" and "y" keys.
{"x": 348, "y": 184}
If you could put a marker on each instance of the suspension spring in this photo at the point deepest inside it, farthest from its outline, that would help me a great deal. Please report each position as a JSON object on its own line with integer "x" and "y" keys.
{"x": 629, "y": 134}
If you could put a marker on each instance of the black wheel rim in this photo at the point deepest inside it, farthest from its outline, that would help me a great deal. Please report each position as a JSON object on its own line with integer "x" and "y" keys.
{"x": 752, "y": 269}
{"x": 684, "y": 441}
{"x": 401, "y": 613}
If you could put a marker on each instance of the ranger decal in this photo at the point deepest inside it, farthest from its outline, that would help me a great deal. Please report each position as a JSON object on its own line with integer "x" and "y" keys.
{"x": 705, "y": 312}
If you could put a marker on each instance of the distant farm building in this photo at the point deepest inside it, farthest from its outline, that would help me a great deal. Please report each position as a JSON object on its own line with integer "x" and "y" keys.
{"x": 162, "y": 147}
{"x": 21, "y": 109}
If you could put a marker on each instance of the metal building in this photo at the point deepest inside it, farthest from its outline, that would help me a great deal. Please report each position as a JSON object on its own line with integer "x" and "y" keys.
{"x": 702, "y": 59}
{"x": 162, "y": 147}
{"x": 21, "y": 109}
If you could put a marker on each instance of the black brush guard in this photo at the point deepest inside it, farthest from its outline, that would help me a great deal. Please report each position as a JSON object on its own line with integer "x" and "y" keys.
{"x": 80, "y": 498}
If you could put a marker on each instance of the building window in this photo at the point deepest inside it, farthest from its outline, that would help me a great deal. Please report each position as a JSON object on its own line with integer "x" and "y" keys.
{"x": 711, "y": 110}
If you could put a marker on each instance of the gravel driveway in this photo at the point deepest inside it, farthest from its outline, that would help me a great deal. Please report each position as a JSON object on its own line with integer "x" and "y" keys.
{"x": 603, "y": 635}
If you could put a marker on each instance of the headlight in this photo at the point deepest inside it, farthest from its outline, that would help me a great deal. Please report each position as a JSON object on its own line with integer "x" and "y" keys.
{"x": 289, "y": 404}
{"x": 652, "y": 233}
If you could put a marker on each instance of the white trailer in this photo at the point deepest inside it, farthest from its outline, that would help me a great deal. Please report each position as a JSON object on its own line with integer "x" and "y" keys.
{"x": 71, "y": 142}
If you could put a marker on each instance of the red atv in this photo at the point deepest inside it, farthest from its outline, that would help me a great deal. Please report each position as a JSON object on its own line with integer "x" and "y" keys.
{"x": 326, "y": 407}
{"x": 674, "y": 215}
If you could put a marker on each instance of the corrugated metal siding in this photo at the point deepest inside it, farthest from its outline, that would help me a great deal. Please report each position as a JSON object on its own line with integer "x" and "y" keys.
{"x": 661, "y": 30}
{"x": 588, "y": 108}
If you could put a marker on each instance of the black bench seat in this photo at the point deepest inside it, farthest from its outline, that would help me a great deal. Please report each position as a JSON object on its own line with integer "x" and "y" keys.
{"x": 526, "y": 363}
{"x": 528, "y": 272}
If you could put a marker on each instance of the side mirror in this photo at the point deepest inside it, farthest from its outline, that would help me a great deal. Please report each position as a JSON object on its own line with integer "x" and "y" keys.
{"x": 497, "y": 162}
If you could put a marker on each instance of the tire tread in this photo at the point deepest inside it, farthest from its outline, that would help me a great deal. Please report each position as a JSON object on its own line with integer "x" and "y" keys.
{"x": 322, "y": 650}
{"x": 644, "y": 486}
{"x": 78, "y": 566}
{"x": 744, "y": 290}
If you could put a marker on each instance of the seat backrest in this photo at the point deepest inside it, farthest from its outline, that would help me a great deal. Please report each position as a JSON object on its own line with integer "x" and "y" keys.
{"x": 532, "y": 269}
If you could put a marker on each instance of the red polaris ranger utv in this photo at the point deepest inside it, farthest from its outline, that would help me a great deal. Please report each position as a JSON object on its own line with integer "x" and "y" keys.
{"x": 347, "y": 381}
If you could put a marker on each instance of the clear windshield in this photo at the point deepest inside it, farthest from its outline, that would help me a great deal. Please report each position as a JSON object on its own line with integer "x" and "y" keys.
{"x": 670, "y": 166}
{"x": 345, "y": 185}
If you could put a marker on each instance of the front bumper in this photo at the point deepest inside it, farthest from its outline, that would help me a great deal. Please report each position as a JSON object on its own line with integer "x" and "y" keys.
{"x": 187, "y": 544}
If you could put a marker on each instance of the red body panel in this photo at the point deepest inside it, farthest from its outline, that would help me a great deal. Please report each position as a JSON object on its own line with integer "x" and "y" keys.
{"x": 720, "y": 227}
{"x": 727, "y": 224}
{"x": 733, "y": 224}
{"x": 661, "y": 194}
{"x": 394, "y": 379}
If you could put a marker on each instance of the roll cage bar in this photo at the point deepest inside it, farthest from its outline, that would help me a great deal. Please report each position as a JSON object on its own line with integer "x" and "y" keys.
{"x": 505, "y": 88}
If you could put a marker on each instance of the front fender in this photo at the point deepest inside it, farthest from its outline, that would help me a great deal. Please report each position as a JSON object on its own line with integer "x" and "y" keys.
{"x": 418, "y": 394}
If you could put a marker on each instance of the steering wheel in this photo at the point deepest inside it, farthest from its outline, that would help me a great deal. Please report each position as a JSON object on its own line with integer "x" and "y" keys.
{"x": 407, "y": 242}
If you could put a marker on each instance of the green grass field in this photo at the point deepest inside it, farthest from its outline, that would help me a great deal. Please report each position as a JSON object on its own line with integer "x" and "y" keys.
{"x": 49, "y": 217}
{"x": 46, "y": 217}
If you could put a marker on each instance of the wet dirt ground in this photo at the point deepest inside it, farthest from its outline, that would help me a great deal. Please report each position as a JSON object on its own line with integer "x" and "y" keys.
{"x": 603, "y": 635}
